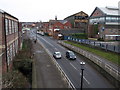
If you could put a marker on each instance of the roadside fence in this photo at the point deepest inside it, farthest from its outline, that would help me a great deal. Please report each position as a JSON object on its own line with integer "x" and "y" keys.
{"x": 99, "y": 44}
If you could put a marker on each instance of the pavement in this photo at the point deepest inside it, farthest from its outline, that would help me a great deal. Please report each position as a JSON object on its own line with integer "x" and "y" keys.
{"x": 45, "y": 73}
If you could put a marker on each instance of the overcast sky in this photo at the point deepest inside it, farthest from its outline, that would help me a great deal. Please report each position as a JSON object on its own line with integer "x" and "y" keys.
{"x": 43, "y": 10}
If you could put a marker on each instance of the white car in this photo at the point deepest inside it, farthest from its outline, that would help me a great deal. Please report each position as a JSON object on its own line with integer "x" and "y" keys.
{"x": 57, "y": 55}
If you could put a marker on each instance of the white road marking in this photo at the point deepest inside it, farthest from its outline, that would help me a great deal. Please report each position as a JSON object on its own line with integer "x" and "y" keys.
{"x": 47, "y": 42}
{"x": 56, "y": 49}
{"x": 85, "y": 79}
{"x": 73, "y": 66}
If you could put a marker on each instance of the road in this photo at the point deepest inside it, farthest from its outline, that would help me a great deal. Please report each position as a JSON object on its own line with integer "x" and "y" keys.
{"x": 91, "y": 79}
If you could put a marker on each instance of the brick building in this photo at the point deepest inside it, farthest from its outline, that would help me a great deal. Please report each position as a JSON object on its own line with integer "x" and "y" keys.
{"x": 78, "y": 20}
{"x": 56, "y": 25}
{"x": 10, "y": 42}
{"x": 104, "y": 24}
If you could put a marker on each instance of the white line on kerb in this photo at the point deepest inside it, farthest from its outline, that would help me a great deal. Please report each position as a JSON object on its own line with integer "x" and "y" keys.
{"x": 85, "y": 79}
{"x": 73, "y": 66}
{"x": 47, "y": 41}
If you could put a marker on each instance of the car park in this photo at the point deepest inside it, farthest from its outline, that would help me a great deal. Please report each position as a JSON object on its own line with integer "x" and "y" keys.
{"x": 70, "y": 55}
{"x": 57, "y": 55}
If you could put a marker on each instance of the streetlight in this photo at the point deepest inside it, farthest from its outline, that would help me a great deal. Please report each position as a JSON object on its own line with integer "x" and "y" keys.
{"x": 82, "y": 68}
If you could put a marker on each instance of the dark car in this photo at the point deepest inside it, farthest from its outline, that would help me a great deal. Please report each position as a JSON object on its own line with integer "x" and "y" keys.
{"x": 70, "y": 55}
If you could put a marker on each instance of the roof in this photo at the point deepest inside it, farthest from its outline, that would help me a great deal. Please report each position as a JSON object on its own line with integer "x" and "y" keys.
{"x": 109, "y": 10}
{"x": 1, "y": 11}
{"x": 75, "y": 14}
{"x": 63, "y": 21}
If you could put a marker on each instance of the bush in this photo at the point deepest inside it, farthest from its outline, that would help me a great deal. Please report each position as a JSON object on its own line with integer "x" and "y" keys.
{"x": 14, "y": 79}
{"x": 25, "y": 67}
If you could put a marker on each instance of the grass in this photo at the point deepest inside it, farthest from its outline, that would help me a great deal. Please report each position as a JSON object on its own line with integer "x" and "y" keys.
{"x": 107, "y": 55}
{"x": 79, "y": 35}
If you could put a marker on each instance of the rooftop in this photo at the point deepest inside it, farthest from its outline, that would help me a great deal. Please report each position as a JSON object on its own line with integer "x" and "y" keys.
{"x": 109, "y": 10}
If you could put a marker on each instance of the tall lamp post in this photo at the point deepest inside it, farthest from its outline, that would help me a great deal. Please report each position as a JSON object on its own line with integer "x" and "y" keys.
{"x": 82, "y": 68}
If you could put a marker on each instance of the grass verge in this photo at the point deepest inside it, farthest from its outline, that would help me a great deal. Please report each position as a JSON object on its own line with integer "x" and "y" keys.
{"x": 107, "y": 55}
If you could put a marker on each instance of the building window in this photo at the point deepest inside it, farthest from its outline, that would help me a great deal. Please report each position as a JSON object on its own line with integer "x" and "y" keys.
{"x": 11, "y": 54}
{"x": 16, "y": 26}
{"x": 111, "y": 37}
{"x": 6, "y": 26}
{"x": 111, "y": 19}
{"x": 13, "y": 49}
{"x": 16, "y": 46}
{"x": 10, "y": 27}
{"x": 8, "y": 57}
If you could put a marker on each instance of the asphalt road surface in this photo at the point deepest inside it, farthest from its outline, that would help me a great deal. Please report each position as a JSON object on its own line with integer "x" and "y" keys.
{"x": 91, "y": 79}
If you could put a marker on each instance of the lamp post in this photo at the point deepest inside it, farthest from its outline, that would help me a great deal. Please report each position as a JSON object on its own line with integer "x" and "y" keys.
{"x": 82, "y": 68}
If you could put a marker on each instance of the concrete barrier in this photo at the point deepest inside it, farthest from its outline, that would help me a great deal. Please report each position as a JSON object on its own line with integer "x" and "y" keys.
{"x": 109, "y": 69}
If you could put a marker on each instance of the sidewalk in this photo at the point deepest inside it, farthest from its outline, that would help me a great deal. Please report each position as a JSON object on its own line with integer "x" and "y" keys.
{"x": 45, "y": 72}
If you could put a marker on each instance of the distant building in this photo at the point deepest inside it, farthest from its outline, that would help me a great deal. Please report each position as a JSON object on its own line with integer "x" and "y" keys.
{"x": 79, "y": 20}
{"x": 56, "y": 25}
{"x": 104, "y": 23}
{"x": 28, "y": 24}
{"x": 10, "y": 43}
{"x": 45, "y": 26}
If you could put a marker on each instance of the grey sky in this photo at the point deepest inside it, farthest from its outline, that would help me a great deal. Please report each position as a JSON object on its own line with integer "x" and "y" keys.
{"x": 36, "y": 10}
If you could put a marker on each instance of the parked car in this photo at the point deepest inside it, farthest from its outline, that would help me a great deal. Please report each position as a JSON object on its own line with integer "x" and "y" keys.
{"x": 57, "y": 55}
{"x": 70, "y": 55}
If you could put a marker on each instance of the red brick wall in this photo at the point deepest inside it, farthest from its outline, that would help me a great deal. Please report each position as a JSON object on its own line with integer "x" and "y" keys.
{"x": 97, "y": 13}
{"x": 68, "y": 24}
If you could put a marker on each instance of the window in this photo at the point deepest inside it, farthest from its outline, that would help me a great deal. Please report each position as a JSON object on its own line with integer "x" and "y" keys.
{"x": 16, "y": 26}
{"x": 6, "y": 26}
{"x": 8, "y": 57}
{"x": 16, "y": 46}
{"x": 11, "y": 54}
{"x": 13, "y": 49}
{"x": 10, "y": 27}
{"x": 111, "y": 37}
{"x": 111, "y": 19}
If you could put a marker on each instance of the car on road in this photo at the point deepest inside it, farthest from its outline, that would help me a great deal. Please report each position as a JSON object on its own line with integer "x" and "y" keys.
{"x": 57, "y": 55}
{"x": 70, "y": 55}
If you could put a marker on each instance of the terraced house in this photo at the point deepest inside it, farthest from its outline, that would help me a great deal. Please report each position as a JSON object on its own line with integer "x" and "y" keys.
{"x": 10, "y": 42}
{"x": 104, "y": 23}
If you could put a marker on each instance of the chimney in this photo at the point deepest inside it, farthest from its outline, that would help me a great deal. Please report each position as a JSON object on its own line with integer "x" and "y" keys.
{"x": 55, "y": 18}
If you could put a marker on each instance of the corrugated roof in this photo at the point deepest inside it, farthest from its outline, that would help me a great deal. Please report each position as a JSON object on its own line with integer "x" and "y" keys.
{"x": 109, "y": 10}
